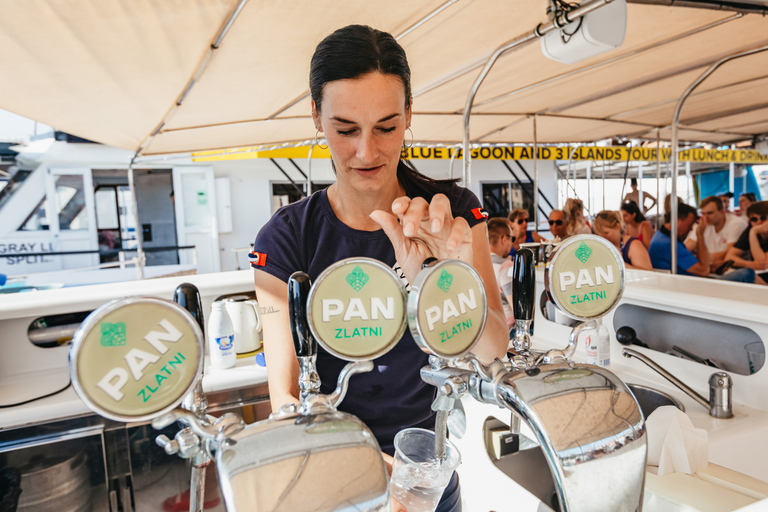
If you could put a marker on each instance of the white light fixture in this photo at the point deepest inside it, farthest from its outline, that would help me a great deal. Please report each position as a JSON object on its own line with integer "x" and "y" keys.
{"x": 761, "y": 144}
{"x": 598, "y": 31}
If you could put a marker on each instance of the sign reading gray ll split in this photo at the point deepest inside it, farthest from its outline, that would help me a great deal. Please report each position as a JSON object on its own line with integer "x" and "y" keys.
{"x": 585, "y": 277}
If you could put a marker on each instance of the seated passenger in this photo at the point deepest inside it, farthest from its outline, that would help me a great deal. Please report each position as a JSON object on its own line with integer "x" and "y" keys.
{"x": 518, "y": 221}
{"x": 745, "y": 201}
{"x": 750, "y": 249}
{"x": 577, "y": 224}
{"x": 500, "y": 241}
{"x": 635, "y": 223}
{"x": 721, "y": 231}
{"x": 688, "y": 264}
{"x": 609, "y": 226}
{"x": 558, "y": 224}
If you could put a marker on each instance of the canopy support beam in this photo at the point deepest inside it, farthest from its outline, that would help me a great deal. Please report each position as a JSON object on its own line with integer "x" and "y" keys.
{"x": 560, "y": 20}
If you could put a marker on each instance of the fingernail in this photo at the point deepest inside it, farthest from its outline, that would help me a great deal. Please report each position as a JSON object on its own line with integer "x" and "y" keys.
{"x": 435, "y": 226}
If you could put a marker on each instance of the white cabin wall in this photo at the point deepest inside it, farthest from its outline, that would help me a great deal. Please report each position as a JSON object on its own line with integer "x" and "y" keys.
{"x": 251, "y": 191}
{"x": 251, "y": 199}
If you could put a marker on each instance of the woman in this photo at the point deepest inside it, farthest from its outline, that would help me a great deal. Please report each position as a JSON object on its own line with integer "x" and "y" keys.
{"x": 609, "y": 226}
{"x": 518, "y": 221}
{"x": 361, "y": 100}
{"x": 745, "y": 201}
{"x": 636, "y": 224}
{"x": 577, "y": 224}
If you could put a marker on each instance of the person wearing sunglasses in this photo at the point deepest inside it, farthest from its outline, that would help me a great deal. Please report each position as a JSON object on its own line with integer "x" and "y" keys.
{"x": 500, "y": 240}
{"x": 750, "y": 249}
{"x": 518, "y": 221}
{"x": 558, "y": 224}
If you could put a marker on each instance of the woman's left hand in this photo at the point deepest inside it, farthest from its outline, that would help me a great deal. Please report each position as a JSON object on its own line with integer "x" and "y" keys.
{"x": 425, "y": 230}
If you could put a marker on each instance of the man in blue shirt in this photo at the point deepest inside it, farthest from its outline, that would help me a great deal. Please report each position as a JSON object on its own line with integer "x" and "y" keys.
{"x": 688, "y": 264}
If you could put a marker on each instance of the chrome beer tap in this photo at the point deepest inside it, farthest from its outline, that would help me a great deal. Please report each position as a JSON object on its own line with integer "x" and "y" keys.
{"x": 585, "y": 420}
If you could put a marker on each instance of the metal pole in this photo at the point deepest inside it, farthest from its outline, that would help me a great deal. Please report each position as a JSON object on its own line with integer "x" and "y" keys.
{"x": 535, "y": 175}
{"x": 589, "y": 186}
{"x": 640, "y": 197}
{"x": 559, "y": 21}
{"x": 675, "y": 123}
{"x": 659, "y": 200}
{"x": 603, "y": 184}
{"x": 139, "y": 242}
{"x": 731, "y": 179}
{"x": 688, "y": 183}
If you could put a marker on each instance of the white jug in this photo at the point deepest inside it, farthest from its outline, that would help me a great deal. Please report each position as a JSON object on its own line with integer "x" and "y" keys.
{"x": 246, "y": 322}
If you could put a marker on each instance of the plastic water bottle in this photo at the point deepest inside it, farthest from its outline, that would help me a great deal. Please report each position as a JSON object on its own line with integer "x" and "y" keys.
{"x": 221, "y": 337}
{"x": 603, "y": 344}
{"x": 589, "y": 336}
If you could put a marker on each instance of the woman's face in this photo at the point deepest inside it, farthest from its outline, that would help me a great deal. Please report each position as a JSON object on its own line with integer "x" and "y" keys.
{"x": 520, "y": 226}
{"x": 744, "y": 203}
{"x": 364, "y": 121}
{"x": 613, "y": 234}
{"x": 628, "y": 217}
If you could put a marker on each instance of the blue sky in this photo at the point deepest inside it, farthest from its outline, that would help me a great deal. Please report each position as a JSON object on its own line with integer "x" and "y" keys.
{"x": 14, "y": 128}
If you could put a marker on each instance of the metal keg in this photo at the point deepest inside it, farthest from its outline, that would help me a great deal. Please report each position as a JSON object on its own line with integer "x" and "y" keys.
{"x": 56, "y": 484}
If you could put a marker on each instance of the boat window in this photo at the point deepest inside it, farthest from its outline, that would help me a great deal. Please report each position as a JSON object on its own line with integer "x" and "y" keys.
{"x": 38, "y": 219}
{"x": 13, "y": 185}
{"x": 286, "y": 193}
{"x": 501, "y": 198}
{"x": 70, "y": 202}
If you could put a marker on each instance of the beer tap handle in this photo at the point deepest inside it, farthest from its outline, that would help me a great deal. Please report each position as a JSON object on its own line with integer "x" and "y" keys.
{"x": 303, "y": 341}
{"x": 523, "y": 296}
{"x": 298, "y": 291}
{"x": 187, "y": 296}
{"x": 524, "y": 285}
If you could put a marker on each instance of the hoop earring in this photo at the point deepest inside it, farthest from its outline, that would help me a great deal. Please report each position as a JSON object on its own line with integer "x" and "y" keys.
{"x": 317, "y": 143}
{"x": 406, "y": 146}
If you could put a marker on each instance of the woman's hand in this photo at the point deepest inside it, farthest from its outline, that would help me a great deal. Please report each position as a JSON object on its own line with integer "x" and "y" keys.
{"x": 425, "y": 230}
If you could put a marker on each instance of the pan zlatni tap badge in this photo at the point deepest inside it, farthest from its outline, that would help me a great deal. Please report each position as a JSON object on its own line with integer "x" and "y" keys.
{"x": 585, "y": 277}
{"x": 356, "y": 309}
{"x": 136, "y": 358}
{"x": 447, "y": 308}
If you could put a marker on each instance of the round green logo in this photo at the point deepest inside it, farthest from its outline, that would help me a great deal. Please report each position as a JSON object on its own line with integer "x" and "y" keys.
{"x": 356, "y": 309}
{"x": 134, "y": 359}
{"x": 447, "y": 308}
{"x": 585, "y": 277}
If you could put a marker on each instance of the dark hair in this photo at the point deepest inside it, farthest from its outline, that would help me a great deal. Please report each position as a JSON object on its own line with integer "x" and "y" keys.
{"x": 749, "y": 195}
{"x": 631, "y": 208}
{"x": 356, "y": 50}
{"x": 758, "y": 208}
{"x": 711, "y": 199}
{"x": 683, "y": 211}
{"x": 632, "y": 182}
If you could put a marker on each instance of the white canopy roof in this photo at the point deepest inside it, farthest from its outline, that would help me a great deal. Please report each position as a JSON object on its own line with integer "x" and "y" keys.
{"x": 145, "y": 73}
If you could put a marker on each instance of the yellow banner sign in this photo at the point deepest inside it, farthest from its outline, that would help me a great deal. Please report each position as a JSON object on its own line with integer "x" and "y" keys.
{"x": 579, "y": 153}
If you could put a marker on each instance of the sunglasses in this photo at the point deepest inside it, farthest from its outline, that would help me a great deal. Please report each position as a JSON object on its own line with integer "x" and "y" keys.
{"x": 559, "y": 222}
{"x": 512, "y": 238}
{"x": 520, "y": 221}
{"x": 756, "y": 218}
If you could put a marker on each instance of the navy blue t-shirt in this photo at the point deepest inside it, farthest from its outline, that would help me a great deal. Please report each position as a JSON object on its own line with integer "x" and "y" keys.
{"x": 307, "y": 236}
